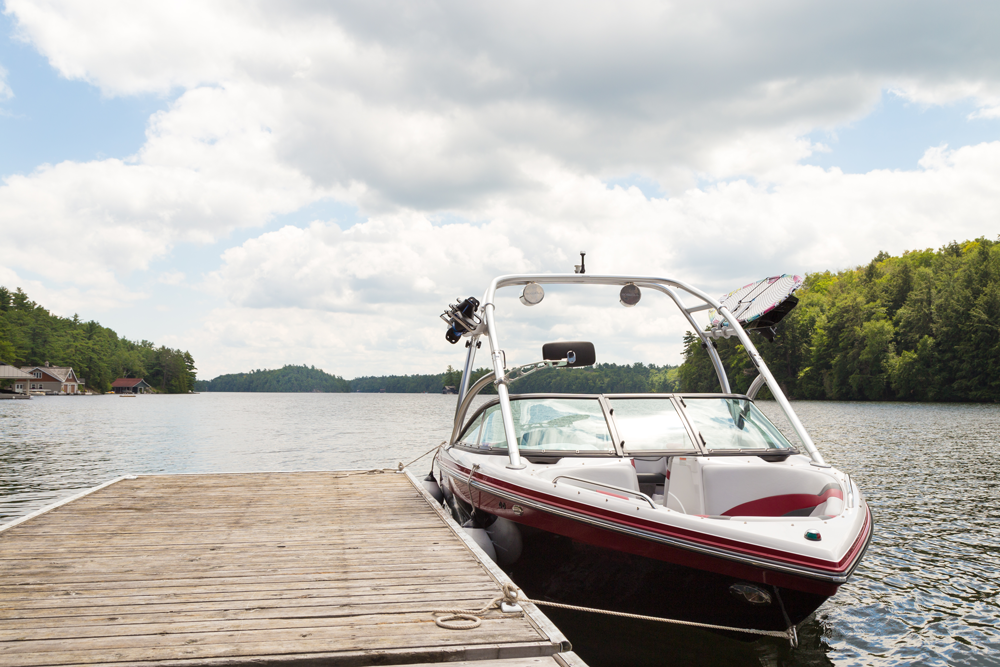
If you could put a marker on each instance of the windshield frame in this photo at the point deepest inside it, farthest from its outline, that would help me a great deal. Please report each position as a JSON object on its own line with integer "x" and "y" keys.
{"x": 693, "y": 435}
{"x": 781, "y": 452}
{"x": 615, "y": 452}
{"x": 700, "y": 448}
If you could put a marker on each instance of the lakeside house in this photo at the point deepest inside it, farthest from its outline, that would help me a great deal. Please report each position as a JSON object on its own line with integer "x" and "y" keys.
{"x": 53, "y": 379}
{"x": 14, "y": 379}
{"x": 129, "y": 386}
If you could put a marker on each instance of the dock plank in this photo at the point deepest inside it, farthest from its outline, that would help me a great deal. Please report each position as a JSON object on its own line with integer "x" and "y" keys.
{"x": 252, "y": 568}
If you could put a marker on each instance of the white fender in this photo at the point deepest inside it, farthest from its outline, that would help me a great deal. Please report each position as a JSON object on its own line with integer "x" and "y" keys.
{"x": 482, "y": 538}
{"x": 432, "y": 487}
{"x": 506, "y": 537}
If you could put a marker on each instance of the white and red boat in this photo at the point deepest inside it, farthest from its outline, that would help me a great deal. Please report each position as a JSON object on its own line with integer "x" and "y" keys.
{"x": 615, "y": 500}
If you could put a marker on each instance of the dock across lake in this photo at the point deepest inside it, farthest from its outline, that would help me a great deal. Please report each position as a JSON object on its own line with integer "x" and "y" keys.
{"x": 311, "y": 568}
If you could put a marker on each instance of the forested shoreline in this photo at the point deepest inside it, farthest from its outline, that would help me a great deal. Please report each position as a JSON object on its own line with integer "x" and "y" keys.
{"x": 31, "y": 336}
{"x": 601, "y": 378}
{"x": 921, "y": 327}
{"x": 924, "y": 326}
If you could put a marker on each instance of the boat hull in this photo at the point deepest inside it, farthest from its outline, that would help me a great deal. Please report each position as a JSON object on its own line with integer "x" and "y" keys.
{"x": 637, "y": 561}
{"x": 560, "y": 569}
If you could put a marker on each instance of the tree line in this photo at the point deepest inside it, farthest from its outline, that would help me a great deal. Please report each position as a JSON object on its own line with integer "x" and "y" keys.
{"x": 924, "y": 326}
{"x": 597, "y": 379}
{"x": 30, "y": 336}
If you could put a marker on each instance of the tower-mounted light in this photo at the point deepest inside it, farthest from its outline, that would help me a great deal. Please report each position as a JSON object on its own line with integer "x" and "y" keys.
{"x": 630, "y": 295}
{"x": 532, "y": 294}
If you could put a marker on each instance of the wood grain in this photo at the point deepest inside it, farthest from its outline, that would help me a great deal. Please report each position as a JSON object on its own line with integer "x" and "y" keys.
{"x": 269, "y": 568}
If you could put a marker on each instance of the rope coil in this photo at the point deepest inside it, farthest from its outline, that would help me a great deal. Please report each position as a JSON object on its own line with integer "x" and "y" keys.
{"x": 468, "y": 619}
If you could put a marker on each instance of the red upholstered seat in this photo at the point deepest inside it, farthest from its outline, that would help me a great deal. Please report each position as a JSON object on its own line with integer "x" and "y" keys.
{"x": 790, "y": 504}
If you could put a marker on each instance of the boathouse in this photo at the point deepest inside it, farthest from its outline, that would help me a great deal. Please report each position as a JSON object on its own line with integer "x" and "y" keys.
{"x": 129, "y": 386}
{"x": 53, "y": 379}
{"x": 13, "y": 379}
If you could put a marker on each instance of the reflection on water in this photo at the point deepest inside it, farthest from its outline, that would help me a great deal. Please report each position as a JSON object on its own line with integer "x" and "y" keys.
{"x": 925, "y": 594}
{"x": 53, "y": 445}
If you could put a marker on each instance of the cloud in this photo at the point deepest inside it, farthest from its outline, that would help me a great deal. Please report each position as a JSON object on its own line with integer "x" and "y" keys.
{"x": 366, "y": 300}
{"x": 810, "y": 219}
{"x": 208, "y": 167}
{"x": 5, "y": 91}
{"x": 480, "y": 139}
{"x": 67, "y": 300}
{"x": 442, "y": 105}
{"x": 172, "y": 277}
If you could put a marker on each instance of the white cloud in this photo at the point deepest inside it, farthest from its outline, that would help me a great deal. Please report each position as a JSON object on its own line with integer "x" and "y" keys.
{"x": 441, "y": 105}
{"x": 208, "y": 167}
{"x": 365, "y": 300}
{"x": 514, "y": 116}
{"x": 172, "y": 277}
{"x": 5, "y": 91}
{"x": 67, "y": 300}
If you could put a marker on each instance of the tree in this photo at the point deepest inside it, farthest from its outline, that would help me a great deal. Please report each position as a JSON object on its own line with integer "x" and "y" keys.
{"x": 922, "y": 326}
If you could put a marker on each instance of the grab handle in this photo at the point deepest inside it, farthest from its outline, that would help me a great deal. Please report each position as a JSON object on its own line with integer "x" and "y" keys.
{"x": 636, "y": 494}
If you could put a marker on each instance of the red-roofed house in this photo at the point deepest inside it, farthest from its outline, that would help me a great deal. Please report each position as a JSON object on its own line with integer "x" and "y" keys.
{"x": 52, "y": 379}
{"x": 129, "y": 386}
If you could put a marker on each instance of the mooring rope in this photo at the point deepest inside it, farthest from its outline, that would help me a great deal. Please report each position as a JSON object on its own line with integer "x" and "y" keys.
{"x": 468, "y": 483}
{"x": 401, "y": 466}
{"x": 373, "y": 471}
{"x": 467, "y": 619}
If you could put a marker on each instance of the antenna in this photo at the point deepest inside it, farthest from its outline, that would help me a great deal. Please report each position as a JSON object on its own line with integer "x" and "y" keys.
{"x": 581, "y": 267}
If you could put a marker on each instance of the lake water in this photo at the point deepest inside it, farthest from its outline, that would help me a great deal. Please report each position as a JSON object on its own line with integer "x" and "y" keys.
{"x": 926, "y": 593}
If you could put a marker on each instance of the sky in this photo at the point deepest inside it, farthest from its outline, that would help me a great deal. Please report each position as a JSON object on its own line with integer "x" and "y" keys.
{"x": 301, "y": 182}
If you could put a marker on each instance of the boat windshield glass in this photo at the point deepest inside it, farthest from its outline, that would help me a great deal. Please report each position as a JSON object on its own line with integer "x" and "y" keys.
{"x": 650, "y": 424}
{"x": 546, "y": 424}
{"x": 733, "y": 423}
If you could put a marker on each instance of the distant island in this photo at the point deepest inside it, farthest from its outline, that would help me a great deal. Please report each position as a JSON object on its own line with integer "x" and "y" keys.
{"x": 288, "y": 379}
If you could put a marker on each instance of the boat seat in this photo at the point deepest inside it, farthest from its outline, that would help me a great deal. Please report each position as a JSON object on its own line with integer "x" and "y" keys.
{"x": 765, "y": 489}
{"x": 651, "y": 470}
{"x": 618, "y": 473}
{"x": 791, "y": 504}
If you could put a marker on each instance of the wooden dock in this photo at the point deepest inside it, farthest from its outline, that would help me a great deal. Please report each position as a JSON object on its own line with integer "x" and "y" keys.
{"x": 316, "y": 568}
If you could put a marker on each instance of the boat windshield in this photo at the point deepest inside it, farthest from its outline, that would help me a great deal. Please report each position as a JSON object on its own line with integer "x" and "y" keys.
{"x": 648, "y": 424}
{"x": 733, "y": 423}
{"x": 547, "y": 424}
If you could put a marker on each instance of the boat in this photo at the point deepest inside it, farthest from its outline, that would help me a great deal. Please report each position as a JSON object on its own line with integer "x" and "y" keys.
{"x": 656, "y": 504}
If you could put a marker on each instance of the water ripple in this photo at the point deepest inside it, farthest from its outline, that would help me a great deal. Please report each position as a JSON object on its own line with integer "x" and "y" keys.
{"x": 926, "y": 593}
